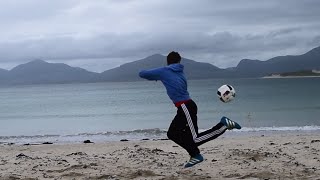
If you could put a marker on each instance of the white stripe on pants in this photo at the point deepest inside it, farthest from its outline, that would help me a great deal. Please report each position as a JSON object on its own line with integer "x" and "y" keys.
{"x": 197, "y": 139}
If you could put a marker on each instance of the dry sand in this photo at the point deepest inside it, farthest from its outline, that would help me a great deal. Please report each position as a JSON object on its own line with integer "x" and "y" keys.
{"x": 282, "y": 156}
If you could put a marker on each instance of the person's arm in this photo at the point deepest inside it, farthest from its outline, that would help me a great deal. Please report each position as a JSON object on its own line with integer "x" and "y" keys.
{"x": 152, "y": 74}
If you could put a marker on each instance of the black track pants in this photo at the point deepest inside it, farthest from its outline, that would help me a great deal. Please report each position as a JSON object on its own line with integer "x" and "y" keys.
{"x": 184, "y": 129}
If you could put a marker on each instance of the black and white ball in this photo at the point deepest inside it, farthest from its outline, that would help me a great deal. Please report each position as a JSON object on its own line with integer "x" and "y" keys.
{"x": 226, "y": 93}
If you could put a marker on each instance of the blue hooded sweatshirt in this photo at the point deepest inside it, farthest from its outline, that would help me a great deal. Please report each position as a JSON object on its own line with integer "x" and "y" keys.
{"x": 173, "y": 79}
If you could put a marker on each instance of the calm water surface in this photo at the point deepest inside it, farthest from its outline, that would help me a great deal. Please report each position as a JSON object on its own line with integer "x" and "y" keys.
{"x": 109, "y": 111}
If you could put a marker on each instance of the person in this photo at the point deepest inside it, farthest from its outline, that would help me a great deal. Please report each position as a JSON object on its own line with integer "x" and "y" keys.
{"x": 183, "y": 129}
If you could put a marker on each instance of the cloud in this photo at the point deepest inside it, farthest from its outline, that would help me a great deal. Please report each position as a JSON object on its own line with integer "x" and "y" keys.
{"x": 100, "y": 35}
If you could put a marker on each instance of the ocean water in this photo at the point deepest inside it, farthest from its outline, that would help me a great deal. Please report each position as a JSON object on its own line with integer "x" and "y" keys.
{"x": 65, "y": 113}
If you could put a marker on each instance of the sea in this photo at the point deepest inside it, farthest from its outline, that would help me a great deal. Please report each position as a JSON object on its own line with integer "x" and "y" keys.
{"x": 134, "y": 111}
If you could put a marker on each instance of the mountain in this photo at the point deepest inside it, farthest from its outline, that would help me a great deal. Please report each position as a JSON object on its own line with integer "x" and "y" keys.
{"x": 198, "y": 70}
{"x": 3, "y": 72}
{"x": 280, "y": 64}
{"x": 130, "y": 71}
{"x": 41, "y": 72}
{"x": 3, "y": 75}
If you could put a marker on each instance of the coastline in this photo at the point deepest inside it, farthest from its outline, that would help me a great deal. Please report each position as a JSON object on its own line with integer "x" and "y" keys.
{"x": 279, "y": 76}
{"x": 269, "y": 156}
{"x": 144, "y": 134}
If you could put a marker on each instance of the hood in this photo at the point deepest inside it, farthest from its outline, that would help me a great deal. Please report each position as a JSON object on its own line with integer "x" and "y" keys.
{"x": 176, "y": 67}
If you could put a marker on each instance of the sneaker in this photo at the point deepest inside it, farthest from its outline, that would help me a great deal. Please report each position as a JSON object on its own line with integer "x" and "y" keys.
{"x": 229, "y": 123}
{"x": 194, "y": 160}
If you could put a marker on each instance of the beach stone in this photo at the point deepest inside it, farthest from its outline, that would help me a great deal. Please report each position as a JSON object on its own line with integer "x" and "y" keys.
{"x": 21, "y": 155}
{"x": 77, "y": 153}
{"x": 164, "y": 139}
{"x": 87, "y": 141}
{"x": 47, "y": 143}
{"x": 156, "y": 150}
{"x": 124, "y": 140}
{"x": 313, "y": 141}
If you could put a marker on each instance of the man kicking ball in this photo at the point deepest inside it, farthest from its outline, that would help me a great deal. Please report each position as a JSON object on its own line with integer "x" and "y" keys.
{"x": 184, "y": 127}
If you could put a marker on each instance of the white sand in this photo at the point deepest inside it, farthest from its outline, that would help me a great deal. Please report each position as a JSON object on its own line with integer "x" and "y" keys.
{"x": 256, "y": 157}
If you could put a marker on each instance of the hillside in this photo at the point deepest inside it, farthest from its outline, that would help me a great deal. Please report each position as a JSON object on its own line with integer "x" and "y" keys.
{"x": 130, "y": 71}
{"x": 3, "y": 75}
{"x": 280, "y": 64}
{"x": 42, "y": 72}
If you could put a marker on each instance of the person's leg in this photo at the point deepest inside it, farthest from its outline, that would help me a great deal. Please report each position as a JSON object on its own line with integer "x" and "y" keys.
{"x": 180, "y": 133}
{"x": 190, "y": 111}
{"x": 210, "y": 134}
{"x": 190, "y": 114}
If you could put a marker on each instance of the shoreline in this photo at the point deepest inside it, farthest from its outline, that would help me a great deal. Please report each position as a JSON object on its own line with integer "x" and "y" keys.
{"x": 98, "y": 138}
{"x": 79, "y": 139}
{"x": 279, "y": 76}
{"x": 269, "y": 156}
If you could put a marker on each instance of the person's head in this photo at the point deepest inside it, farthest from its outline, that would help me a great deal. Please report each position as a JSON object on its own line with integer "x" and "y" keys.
{"x": 173, "y": 57}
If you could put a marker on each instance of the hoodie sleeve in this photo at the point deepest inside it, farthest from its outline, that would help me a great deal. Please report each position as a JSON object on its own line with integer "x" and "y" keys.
{"x": 152, "y": 74}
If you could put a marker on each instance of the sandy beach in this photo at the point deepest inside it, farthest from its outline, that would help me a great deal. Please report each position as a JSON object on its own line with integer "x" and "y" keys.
{"x": 277, "y": 156}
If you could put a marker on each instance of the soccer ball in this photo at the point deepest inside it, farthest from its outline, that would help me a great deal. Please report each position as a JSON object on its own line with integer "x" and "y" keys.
{"x": 226, "y": 93}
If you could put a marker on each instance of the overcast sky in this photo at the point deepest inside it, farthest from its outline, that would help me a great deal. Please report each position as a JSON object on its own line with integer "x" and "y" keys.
{"x": 101, "y": 34}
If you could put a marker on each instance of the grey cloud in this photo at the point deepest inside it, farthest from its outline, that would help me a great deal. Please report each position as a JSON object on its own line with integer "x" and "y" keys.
{"x": 223, "y": 46}
{"x": 16, "y": 11}
{"x": 105, "y": 34}
{"x": 314, "y": 41}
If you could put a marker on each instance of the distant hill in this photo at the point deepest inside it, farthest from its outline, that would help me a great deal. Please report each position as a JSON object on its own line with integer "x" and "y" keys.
{"x": 3, "y": 72}
{"x": 41, "y": 72}
{"x": 130, "y": 71}
{"x": 280, "y": 64}
{"x": 3, "y": 75}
